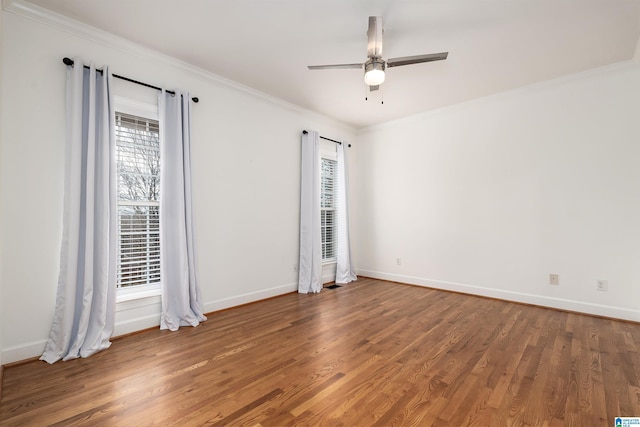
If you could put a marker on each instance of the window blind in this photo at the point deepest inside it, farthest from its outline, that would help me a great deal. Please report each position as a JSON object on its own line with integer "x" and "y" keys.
{"x": 138, "y": 172}
{"x": 328, "y": 209}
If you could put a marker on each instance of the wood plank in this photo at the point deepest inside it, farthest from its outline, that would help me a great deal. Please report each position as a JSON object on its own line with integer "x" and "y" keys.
{"x": 368, "y": 353}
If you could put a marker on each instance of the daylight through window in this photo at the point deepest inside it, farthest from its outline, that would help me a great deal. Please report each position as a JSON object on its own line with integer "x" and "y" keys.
{"x": 138, "y": 171}
{"x": 328, "y": 209}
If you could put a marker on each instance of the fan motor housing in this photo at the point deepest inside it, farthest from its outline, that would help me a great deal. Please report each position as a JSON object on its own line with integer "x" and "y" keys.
{"x": 375, "y": 63}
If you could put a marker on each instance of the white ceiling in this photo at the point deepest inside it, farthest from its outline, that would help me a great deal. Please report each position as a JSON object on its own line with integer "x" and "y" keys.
{"x": 493, "y": 45}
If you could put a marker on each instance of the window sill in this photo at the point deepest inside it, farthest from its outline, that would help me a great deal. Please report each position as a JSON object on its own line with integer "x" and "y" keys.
{"x": 131, "y": 295}
{"x": 329, "y": 262}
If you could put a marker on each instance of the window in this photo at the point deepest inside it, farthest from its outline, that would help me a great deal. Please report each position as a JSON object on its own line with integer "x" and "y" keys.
{"x": 138, "y": 174}
{"x": 328, "y": 209}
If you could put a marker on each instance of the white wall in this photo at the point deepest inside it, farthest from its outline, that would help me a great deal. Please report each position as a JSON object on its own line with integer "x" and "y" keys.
{"x": 488, "y": 197}
{"x": 246, "y": 154}
{"x": 2, "y": 253}
{"x": 491, "y": 196}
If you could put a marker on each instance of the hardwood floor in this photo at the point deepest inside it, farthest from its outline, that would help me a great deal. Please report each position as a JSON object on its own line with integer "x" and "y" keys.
{"x": 371, "y": 353}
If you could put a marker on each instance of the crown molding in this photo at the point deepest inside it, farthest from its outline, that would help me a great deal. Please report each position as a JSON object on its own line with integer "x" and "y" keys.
{"x": 508, "y": 94}
{"x": 63, "y": 23}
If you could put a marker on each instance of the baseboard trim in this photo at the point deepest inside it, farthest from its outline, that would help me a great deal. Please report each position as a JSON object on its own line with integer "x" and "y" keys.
{"x": 137, "y": 324}
{"x": 520, "y": 297}
{"x": 249, "y": 297}
{"x": 23, "y": 352}
{"x": 34, "y": 349}
{"x": 153, "y": 320}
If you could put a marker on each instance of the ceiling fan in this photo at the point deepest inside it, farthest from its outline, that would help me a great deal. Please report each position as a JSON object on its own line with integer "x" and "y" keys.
{"x": 374, "y": 66}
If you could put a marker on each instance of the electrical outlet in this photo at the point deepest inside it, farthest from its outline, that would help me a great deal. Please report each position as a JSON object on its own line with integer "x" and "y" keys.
{"x": 554, "y": 279}
{"x": 398, "y": 261}
{"x": 602, "y": 285}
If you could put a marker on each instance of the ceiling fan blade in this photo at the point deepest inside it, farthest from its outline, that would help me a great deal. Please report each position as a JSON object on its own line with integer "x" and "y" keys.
{"x": 374, "y": 34}
{"x": 407, "y": 60}
{"x": 336, "y": 66}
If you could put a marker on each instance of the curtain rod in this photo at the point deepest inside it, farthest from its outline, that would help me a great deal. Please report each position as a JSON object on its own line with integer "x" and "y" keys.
{"x": 69, "y": 61}
{"x": 328, "y": 139}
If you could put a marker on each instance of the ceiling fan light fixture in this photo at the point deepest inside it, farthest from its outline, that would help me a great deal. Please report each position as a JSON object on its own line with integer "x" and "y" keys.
{"x": 375, "y": 66}
{"x": 374, "y": 72}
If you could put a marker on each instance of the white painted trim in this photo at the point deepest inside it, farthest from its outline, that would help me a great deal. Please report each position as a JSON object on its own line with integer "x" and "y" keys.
{"x": 237, "y": 300}
{"x": 123, "y": 295}
{"x": 23, "y": 351}
{"x": 137, "y": 324}
{"x": 152, "y": 320}
{"x": 540, "y": 300}
{"x": 154, "y": 298}
{"x": 327, "y": 278}
{"x": 497, "y": 97}
{"x": 136, "y": 108}
{"x": 87, "y": 32}
{"x": 35, "y": 349}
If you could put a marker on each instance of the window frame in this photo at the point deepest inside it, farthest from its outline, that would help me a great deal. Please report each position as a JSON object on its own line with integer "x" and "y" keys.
{"x": 329, "y": 152}
{"x": 147, "y": 111}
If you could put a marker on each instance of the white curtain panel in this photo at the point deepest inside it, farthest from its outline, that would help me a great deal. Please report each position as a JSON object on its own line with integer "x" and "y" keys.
{"x": 345, "y": 272}
{"x": 85, "y": 302}
{"x": 310, "y": 265}
{"x": 181, "y": 298}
